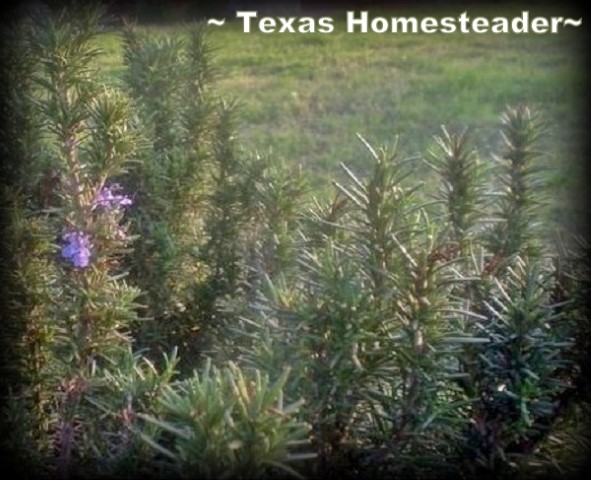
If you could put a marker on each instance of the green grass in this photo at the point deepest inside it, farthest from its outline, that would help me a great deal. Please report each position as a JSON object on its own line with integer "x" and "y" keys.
{"x": 304, "y": 96}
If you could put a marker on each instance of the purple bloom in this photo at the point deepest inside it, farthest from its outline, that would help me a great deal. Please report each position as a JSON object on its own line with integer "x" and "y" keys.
{"x": 77, "y": 249}
{"x": 111, "y": 201}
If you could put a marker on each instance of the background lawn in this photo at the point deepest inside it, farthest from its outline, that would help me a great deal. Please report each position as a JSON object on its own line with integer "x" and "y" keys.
{"x": 304, "y": 96}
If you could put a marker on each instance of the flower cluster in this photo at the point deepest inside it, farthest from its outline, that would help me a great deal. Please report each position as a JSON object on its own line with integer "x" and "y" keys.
{"x": 78, "y": 244}
{"x": 77, "y": 248}
{"x": 110, "y": 200}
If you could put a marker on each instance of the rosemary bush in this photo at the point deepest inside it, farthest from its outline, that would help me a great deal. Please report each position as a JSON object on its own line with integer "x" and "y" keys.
{"x": 107, "y": 203}
{"x": 425, "y": 330}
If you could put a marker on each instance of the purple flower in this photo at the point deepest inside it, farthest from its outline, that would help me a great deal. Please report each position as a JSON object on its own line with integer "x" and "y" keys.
{"x": 77, "y": 248}
{"x": 107, "y": 198}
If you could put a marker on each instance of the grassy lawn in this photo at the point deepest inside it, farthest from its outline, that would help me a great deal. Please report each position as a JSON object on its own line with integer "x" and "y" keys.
{"x": 304, "y": 96}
